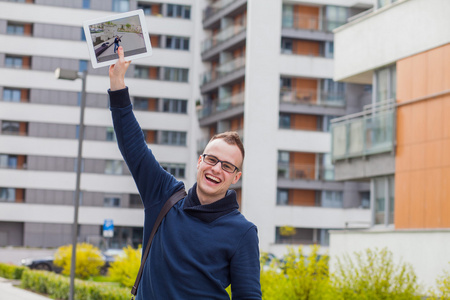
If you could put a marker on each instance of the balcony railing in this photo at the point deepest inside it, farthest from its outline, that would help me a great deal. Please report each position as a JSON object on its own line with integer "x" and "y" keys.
{"x": 222, "y": 36}
{"x": 310, "y": 22}
{"x": 221, "y": 105}
{"x": 305, "y": 172}
{"x": 366, "y": 133}
{"x": 312, "y": 97}
{"x": 223, "y": 70}
{"x": 215, "y": 8}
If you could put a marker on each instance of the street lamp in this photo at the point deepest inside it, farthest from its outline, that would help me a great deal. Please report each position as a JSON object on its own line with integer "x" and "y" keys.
{"x": 73, "y": 75}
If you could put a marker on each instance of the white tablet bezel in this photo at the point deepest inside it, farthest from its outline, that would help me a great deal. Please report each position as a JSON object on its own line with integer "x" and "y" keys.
{"x": 129, "y": 53}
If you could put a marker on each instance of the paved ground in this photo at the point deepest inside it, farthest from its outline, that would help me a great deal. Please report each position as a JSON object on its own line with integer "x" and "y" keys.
{"x": 8, "y": 291}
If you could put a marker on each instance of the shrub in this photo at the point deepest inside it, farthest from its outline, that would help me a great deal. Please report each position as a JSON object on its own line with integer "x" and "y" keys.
{"x": 374, "y": 275}
{"x": 88, "y": 260}
{"x": 443, "y": 288}
{"x": 296, "y": 277}
{"x": 125, "y": 268}
{"x": 11, "y": 271}
{"x": 58, "y": 287}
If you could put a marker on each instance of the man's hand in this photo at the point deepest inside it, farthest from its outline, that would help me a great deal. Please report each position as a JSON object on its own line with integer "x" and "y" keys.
{"x": 117, "y": 72}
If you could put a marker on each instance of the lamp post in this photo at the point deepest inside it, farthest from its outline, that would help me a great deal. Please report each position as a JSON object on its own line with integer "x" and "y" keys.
{"x": 73, "y": 75}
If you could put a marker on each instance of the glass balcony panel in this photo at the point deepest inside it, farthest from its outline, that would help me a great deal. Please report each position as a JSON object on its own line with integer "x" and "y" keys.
{"x": 378, "y": 132}
{"x": 356, "y": 142}
{"x": 339, "y": 133}
{"x": 216, "y": 7}
{"x": 312, "y": 97}
{"x": 221, "y": 104}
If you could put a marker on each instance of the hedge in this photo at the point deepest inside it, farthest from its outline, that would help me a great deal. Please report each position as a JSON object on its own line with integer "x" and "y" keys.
{"x": 11, "y": 271}
{"x": 58, "y": 287}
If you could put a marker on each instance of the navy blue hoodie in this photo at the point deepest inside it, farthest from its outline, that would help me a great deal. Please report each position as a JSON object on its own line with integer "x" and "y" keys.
{"x": 198, "y": 250}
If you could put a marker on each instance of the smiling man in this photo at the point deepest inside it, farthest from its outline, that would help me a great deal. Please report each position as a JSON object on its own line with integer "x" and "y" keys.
{"x": 204, "y": 243}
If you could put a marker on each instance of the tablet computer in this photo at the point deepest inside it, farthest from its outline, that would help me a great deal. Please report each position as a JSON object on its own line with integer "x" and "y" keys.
{"x": 104, "y": 35}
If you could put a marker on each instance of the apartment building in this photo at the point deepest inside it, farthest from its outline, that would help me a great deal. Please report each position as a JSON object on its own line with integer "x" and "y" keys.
{"x": 400, "y": 143}
{"x": 39, "y": 117}
{"x": 269, "y": 76}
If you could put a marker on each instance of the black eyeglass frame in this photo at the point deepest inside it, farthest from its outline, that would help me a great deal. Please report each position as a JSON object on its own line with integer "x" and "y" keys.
{"x": 219, "y": 161}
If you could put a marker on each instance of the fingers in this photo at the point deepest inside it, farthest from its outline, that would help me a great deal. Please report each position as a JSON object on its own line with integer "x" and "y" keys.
{"x": 121, "y": 54}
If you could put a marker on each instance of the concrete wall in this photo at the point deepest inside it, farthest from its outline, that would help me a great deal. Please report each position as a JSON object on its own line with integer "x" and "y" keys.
{"x": 427, "y": 251}
{"x": 387, "y": 35}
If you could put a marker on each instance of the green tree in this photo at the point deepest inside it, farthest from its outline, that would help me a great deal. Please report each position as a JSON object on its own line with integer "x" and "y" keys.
{"x": 126, "y": 267}
{"x": 443, "y": 288}
{"x": 89, "y": 260}
{"x": 374, "y": 275}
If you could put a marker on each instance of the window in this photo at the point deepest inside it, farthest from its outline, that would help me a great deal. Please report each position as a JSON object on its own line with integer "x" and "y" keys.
{"x": 178, "y": 11}
{"x": 11, "y": 95}
{"x": 13, "y": 62}
{"x": 178, "y": 43}
{"x": 383, "y": 193}
{"x": 10, "y": 127}
{"x": 305, "y": 236}
{"x": 175, "y": 106}
{"x": 335, "y": 17}
{"x": 176, "y": 74}
{"x": 285, "y": 121}
{"x": 329, "y": 49}
{"x": 332, "y": 199}
{"x": 147, "y": 8}
{"x": 120, "y": 5}
{"x": 17, "y": 29}
{"x": 135, "y": 201}
{"x": 365, "y": 199}
{"x": 7, "y": 194}
{"x": 286, "y": 46}
{"x": 177, "y": 138}
{"x": 140, "y": 103}
{"x": 177, "y": 170}
{"x": 113, "y": 167}
{"x": 288, "y": 16}
{"x": 8, "y": 161}
{"x": 141, "y": 72}
{"x": 332, "y": 92}
{"x": 110, "y": 134}
{"x": 111, "y": 202}
{"x": 285, "y": 83}
{"x": 282, "y": 197}
{"x": 385, "y": 84}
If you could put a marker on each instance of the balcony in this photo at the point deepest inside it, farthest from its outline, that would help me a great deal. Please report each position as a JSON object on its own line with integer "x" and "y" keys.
{"x": 223, "y": 74}
{"x": 221, "y": 105}
{"x": 220, "y": 9}
{"x": 305, "y": 172}
{"x": 224, "y": 35}
{"x": 312, "y": 97}
{"x": 363, "y": 143}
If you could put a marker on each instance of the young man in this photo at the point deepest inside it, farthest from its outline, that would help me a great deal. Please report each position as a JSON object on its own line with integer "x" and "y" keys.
{"x": 203, "y": 244}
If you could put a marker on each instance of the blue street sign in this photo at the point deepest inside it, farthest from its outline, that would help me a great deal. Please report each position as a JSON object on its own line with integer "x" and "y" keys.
{"x": 108, "y": 228}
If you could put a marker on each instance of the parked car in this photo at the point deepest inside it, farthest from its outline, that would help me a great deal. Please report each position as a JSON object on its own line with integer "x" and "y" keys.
{"x": 46, "y": 263}
{"x": 101, "y": 49}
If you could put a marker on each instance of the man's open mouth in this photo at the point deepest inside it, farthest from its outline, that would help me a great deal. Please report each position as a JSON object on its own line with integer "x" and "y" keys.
{"x": 212, "y": 179}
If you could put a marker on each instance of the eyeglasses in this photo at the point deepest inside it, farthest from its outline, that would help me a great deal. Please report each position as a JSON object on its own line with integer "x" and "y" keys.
{"x": 226, "y": 166}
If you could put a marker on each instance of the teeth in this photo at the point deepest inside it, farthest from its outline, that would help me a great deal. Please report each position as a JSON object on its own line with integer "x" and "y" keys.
{"x": 213, "y": 178}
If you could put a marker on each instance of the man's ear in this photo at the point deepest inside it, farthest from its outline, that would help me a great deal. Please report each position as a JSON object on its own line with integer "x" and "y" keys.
{"x": 199, "y": 161}
{"x": 236, "y": 177}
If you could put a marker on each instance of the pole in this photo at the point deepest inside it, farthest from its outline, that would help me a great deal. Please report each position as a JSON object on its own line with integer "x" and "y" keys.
{"x": 81, "y": 75}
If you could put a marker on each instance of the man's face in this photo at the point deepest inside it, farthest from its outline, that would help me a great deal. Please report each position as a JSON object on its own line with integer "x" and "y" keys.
{"x": 212, "y": 181}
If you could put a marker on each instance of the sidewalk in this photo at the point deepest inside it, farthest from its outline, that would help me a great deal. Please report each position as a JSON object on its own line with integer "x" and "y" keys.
{"x": 9, "y": 292}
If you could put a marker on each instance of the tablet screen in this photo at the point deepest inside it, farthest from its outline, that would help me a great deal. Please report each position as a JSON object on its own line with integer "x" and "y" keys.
{"x": 105, "y": 35}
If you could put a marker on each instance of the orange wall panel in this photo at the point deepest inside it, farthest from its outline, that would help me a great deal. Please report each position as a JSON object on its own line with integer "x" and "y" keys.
{"x": 303, "y": 122}
{"x": 302, "y": 197}
{"x": 422, "y": 178}
{"x": 306, "y": 48}
{"x": 402, "y": 196}
{"x": 432, "y": 181}
{"x": 152, "y": 104}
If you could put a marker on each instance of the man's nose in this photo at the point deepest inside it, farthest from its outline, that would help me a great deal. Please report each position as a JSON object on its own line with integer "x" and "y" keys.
{"x": 217, "y": 167}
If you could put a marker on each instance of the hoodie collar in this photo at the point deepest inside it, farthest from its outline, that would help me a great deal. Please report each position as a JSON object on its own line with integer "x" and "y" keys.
{"x": 209, "y": 212}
